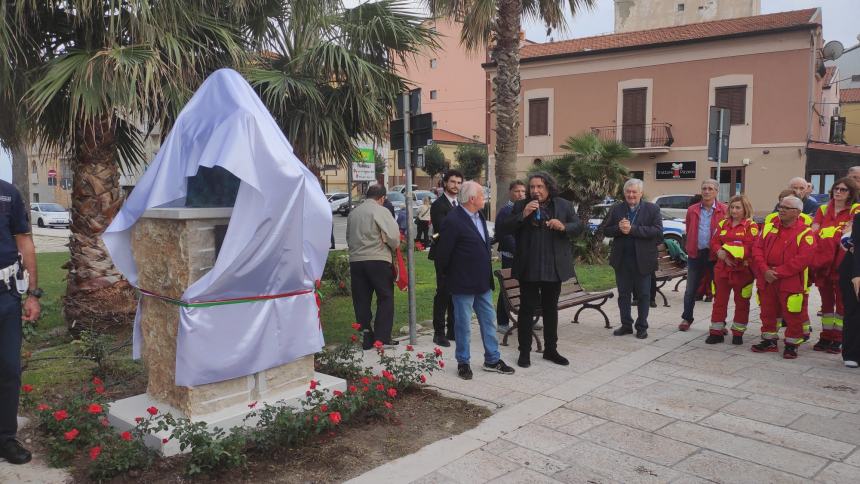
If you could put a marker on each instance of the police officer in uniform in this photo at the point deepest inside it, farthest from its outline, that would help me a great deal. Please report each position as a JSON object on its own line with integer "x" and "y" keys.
{"x": 15, "y": 239}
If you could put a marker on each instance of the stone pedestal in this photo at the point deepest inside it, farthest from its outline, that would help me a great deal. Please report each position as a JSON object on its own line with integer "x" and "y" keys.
{"x": 173, "y": 247}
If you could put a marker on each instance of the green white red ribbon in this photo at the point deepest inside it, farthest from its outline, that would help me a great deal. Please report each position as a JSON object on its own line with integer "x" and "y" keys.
{"x": 240, "y": 300}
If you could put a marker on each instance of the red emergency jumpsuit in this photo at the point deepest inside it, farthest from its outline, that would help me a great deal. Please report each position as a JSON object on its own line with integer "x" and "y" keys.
{"x": 789, "y": 251}
{"x": 737, "y": 241}
{"x": 828, "y": 256}
{"x": 807, "y": 220}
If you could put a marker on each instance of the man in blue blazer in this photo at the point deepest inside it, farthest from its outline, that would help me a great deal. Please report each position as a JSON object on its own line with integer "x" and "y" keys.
{"x": 464, "y": 255}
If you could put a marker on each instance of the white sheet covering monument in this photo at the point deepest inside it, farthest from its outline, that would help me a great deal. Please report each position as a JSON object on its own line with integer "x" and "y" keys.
{"x": 217, "y": 333}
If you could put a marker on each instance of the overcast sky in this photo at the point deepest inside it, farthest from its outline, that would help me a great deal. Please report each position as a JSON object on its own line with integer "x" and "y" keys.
{"x": 840, "y": 19}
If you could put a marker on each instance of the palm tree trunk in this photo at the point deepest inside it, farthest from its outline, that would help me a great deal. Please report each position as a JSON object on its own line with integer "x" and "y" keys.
{"x": 506, "y": 84}
{"x": 97, "y": 296}
{"x": 21, "y": 173}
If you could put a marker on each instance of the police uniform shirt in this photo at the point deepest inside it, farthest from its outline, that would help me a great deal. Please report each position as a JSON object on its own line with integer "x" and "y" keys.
{"x": 13, "y": 221}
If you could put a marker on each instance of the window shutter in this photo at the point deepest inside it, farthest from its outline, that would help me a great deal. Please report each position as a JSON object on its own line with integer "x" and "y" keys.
{"x": 733, "y": 98}
{"x": 539, "y": 117}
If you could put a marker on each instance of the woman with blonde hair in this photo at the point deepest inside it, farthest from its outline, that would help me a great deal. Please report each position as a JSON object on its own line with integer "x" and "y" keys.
{"x": 732, "y": 243}
{"x": 422, "y": 221}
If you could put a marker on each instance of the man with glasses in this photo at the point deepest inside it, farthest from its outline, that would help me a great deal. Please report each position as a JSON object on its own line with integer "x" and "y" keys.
{"x": 701, "y": 222}
{"x": 781, "y": 261}
{"x": 800, "y": 186}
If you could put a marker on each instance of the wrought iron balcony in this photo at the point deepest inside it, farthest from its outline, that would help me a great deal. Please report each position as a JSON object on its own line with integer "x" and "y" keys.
{"x": 639, "y": 137}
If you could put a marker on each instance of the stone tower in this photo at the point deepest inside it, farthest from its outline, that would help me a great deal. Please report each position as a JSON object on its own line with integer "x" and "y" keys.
{"x": 631, "y": 15}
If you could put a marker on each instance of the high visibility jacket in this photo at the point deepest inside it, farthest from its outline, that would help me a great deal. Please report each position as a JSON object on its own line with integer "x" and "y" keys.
{"x": 737, "y": 241}
{"x": 789, "y": 251}
{"x": 771, "y": 217}
{"x": 828, "y": 253}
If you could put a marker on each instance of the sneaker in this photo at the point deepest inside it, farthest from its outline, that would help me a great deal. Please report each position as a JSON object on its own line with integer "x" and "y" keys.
{"x": 737, "y": 340}
{"x": 684, "y": 326}
{"x": 499, "y": 367}
{"x": 622, "y": 330}
{"x": 441, "y": 341}
{"x": 713, "y": 339}
{"x": 14, "y": 452}
{"x": 524, "y": 361}
{"x": 851, "y": 364}
{"x": 765, "y": 346}
{"x": 464, "y": 371}
{"x": 822, "y": 345}
{"x": 835, "y": 348}
{"x": 503, "y": 328}
{"x": 556, "y": 358}
{"x": 789, "y": 352}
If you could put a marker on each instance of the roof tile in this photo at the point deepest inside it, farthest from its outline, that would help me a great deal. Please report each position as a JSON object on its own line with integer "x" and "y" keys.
{"x": 850, "y": 95}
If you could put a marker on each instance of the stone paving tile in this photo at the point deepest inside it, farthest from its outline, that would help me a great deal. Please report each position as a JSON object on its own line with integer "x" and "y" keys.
{"x": 803, "y": 394}
{"x": 691, "y": 480}
{"x": 853, "y": 459}
{"x": 499, "y": 446}
{"x": 587, "y": 458}
{"x": 714, "y": 376}
{"x": 617, "y": 412}
{"x": 838, "y": 473}
{"x": 837, "y": 388}
{"x": 633, "y": 382}
{"x": 36, "y": 472}
{"x": 535, "y": 461}
{"x": 434, "y": 478}
{"x": 839, "y": 373}
{"x": 642, "y": 444}
{"x": 771, "y": 455}
{"x": 582, "y": 425}
{"x": 772, "y": 434}
{"x": 830, "y": 428}
{"x": 769, "y": 401}
{"x": 700, "y": 385}
{"x": 724, "y": 469}
{"x": 658, "y": 370}
{"x": 757, "y": 411}
{"x": 540, "y": 438}
{"x": 673, "y": 401}
{"x": 559, "y": 417}
{"x": 477, "y": 466}
{"x": 524, "y": 476}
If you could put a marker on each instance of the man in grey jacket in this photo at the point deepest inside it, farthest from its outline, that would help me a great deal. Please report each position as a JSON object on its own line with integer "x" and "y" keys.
{"x": 372, "y": 236}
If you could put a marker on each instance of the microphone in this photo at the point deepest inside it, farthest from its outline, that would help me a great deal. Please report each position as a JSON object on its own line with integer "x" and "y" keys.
{"x": 537, "y": 212}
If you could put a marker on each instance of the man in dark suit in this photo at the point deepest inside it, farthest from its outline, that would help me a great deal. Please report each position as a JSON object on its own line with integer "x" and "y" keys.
{"x": 542, "y": 225}
{"x": 637, "y": 227}
{"x": 463, "y": 253}
{"x": 442, "y": 303}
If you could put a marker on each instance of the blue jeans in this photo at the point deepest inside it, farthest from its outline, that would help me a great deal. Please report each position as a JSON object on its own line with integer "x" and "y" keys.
{"x": 10, "y": 363}
{"x": 483, "y": 306}
{"x": 502, "y": 317}
{"x": 629, "y": 281}
{"x": 697, "y": 267}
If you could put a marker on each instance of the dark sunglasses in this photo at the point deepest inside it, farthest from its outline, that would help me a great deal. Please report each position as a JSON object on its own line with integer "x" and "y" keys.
{"x": 840, "y": 189}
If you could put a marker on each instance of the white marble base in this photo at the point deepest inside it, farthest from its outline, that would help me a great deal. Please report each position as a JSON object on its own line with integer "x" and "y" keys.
{"x": 123, "y": 412}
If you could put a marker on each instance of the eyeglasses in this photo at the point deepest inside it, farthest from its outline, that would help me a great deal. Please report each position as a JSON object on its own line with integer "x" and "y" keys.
{"x": 783, "y": 207}
{"x": 840, "y": 189}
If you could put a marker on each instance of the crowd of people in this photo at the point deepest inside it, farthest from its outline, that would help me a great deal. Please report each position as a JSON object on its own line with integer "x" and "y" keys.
{"x": 777, "y": 261}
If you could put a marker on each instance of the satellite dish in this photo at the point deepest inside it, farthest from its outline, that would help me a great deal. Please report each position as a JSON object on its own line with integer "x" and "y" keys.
{"x": 832, "y": 50}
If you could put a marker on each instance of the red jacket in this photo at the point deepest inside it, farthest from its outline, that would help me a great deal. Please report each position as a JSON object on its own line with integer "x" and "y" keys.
{"x": 789, "y": 251}
{"x": 740, "y": 240}
{"x": 691, "y": 221}
{"x": 829, "y": 253}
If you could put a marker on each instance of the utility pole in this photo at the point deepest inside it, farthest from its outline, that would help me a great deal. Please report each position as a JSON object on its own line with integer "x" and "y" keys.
{"x": 410, "y": 230}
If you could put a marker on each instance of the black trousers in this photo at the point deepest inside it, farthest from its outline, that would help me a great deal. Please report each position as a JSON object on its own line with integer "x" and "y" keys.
{"x": 534, "y": 295}
{"x": 653, "y": 292}
{"x": 367, "y": 278}
{"x": 502, "y": 318}
{"x": 851, "y": 320}
{"x": 423, "y": 234}
{"x": 442, "y": 306}
{"x": 10, "y": 363}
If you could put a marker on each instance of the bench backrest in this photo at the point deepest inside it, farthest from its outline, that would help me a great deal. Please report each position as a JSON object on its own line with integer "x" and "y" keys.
{"x": 511, "y": 287}
{"x": 664, "y": 260}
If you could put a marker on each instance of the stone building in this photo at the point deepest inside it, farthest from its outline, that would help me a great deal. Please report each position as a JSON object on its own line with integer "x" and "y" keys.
{"x": 632, "y": 15}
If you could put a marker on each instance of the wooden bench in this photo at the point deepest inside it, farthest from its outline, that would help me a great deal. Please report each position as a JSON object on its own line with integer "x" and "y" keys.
{"x": 667, "y": 270}
{"x": 572, "y": 294}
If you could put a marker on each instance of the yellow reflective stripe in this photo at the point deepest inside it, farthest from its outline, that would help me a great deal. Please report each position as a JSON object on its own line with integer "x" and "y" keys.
{"x": 794, "y": 303}
{"x": 827, "y": 232}
{"x": 807, "y": 220}
{"x": 746, "y": 291}
{"x": 736, "y": 251}
{"x": 739, "y": 327}
{"x": 823, "y": 209}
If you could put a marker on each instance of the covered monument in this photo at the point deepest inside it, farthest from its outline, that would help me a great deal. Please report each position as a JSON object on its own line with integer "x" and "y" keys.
{"x": 228, "y": 313}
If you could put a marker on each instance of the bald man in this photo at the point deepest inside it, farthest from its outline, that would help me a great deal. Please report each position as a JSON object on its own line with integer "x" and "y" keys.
{"x": 799, "y": 186}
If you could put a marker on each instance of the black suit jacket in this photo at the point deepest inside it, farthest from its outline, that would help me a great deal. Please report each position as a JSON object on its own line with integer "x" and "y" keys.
{"x": 463, "y": 254}
{"x": 524, "y": 232}
{"x": 438, "y": 211}
{"x": 647, "y": 230}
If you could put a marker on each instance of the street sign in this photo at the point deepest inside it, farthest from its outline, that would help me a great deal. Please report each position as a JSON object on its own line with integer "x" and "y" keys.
{"x": 719, "y": 128}
{"x": 364, "y": 168}
{"x": 676, "y": 170}
{"x": 52, "y": 172}
{"x": 421, "y": 129}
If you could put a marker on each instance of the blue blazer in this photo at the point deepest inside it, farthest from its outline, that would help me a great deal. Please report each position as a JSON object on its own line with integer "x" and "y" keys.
{"x": 463, "y": 255}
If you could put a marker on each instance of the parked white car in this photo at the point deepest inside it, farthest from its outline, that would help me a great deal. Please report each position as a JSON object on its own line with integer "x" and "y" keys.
{"x": 49, "y": 215}
{"x": 673, "y": 228}
{"x": 336, "y": 200}
{"x": 674, "y": 205}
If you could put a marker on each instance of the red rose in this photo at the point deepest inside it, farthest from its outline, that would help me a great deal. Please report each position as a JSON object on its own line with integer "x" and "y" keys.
{"x": 105, "y": 422}
{"x": 409, "y": 348}
{"x": 354, "y": 338}
{"x": 95, "y": 408}
{"x": 437, "y": 351}
{"x": 364, "y": 389}
{"x": 42, "y": 407}
{"x": 100, "y": 390}
{"x": 94, "y": 452}
{"x": 423, "y": 379}
{"x": 380, "y": 387}
{"x": 252, "y": 404}
{"x": 356, "y": 326}
{"x": 316, "y": 418}
{"x": 152, "y": 410}
{"x": 341, "y": 285}
{"x": 441, "y": 364}
{"x": 27, "y": 388}
{"x": 314, "y": 384}
{"x": 388, "y": 375}
{"x": 61, "y": 415}
{"x": 352, "y": 389}
{"x": 97, "y": 381}
{"x": 125, "y": 436}
{"x": 365, "y": 380}
{"x": 138, "y": 419}
{"x": 388, "y": 405}
{"x": 334, "y": 417}
{"x": 420, "y": 356}
{"x": 338, "y": 393}
{"x": 377, "y": 344}
{"x": 324, "y": 408}
{"x": 165, "y": 440}
{"x": 392, "y": 392}
{"x": 71, "y": 434}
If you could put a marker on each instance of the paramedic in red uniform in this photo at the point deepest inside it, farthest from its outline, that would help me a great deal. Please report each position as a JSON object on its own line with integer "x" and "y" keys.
{"x": 781, "y": 259}
{"x": 732, "y": 243}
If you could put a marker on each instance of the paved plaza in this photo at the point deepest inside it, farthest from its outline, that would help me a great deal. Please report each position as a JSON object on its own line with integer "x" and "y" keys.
{"x": 666, "y": 409}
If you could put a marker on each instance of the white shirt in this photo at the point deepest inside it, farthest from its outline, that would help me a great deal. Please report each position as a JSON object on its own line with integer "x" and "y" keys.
{"x": 452, "y": 201}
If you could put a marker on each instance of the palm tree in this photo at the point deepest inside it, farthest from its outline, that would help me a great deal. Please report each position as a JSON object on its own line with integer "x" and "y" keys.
{"x": 327, "y": 73}
{"x": 588, "y": 173}
{"x": 497, "y": 23}
{"x": 96, "y": 75}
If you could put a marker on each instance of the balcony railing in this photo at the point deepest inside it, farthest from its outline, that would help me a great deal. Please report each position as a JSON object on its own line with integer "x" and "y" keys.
{"x": 654, "y": 135}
